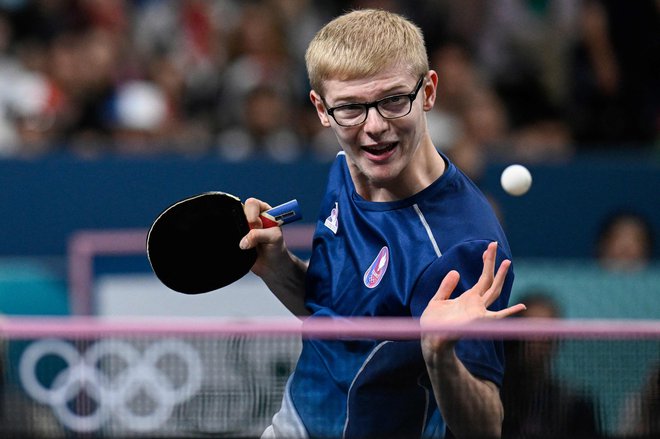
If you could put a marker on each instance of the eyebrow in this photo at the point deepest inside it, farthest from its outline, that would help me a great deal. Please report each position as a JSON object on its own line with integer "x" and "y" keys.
{"x": 391, "y": 91}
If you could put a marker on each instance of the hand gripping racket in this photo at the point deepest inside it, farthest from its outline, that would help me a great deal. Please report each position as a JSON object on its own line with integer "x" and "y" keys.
{"x": 193, "y": 245}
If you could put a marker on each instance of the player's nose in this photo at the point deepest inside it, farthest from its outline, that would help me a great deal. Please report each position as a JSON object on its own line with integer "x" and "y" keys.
{"x": 375, "y": 123}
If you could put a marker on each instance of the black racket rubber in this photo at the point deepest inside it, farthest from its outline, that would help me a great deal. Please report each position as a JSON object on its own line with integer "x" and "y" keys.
{"x": 193, "y": 245}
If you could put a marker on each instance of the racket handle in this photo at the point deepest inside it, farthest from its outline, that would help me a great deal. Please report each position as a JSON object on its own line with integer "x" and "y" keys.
{"x": 283, "y": 214}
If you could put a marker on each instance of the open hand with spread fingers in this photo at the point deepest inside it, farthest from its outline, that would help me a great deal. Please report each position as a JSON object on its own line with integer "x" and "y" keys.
{"x": 472, "y": 304}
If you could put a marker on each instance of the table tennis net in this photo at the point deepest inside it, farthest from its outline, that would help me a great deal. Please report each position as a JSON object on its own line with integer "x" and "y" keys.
{"x": 102, "y": 378}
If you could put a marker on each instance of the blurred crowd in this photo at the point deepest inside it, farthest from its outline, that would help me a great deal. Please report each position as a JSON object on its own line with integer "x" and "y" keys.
{"x": 531, "y": 80}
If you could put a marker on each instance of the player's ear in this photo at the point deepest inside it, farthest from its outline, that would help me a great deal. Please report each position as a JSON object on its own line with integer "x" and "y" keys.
{"x": 429, "y": 89}
{"x": 320, "y": 108}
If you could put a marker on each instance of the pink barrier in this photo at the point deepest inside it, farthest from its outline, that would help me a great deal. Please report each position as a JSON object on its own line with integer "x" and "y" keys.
{"x": 391, "y": 328}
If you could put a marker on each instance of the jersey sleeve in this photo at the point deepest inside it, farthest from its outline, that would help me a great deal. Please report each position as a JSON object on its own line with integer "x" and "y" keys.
{"x": 483, "y": 358}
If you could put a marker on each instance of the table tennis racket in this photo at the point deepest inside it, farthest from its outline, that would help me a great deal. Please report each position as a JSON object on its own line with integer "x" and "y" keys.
{"x": 192, "y": 245}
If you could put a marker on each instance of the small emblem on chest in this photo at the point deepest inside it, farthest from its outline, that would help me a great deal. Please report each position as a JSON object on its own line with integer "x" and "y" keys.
{"x": 332, "y": 222}
{"x": 377, "y": 269}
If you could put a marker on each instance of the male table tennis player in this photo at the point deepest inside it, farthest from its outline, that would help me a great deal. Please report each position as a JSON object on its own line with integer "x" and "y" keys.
{"x": 397, "y": 226}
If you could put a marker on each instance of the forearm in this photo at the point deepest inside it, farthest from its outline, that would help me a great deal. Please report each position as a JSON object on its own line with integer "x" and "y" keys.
{"x": 471, "y": 407}
{"x": 287, "y": 282}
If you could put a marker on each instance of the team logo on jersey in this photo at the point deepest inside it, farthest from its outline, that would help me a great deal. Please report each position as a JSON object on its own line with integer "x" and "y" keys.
{"x": 332, "y": 222}
{"x": 377, "y": 269}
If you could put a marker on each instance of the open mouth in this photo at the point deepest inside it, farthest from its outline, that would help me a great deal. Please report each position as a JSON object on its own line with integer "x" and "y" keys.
{"x": 381, "y": 149}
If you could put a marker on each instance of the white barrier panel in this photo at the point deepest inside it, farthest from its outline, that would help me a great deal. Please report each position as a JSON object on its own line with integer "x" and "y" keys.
{"x": 84, "y": 246}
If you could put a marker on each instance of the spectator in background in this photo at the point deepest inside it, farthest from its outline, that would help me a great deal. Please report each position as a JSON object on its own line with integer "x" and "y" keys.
{"x": 536, "y": 403}
{"x": 475, "y": 125}
{"x": 264, "y": 130}
{"x": 640, "y": 416}
{"x": 77, "y": 46}
{"x": 624, "y": 242}
{"x": 259, "y": 88}
{"x": 485, "y": 131}
{"x": 302, "y": 19}
{"x": 615, "y": 90}
{"x": 139, "y": 118}
{"x": 523, "y": 44}
{"x": 523, "y": 49}
{"x": 468, "y": 118}
{"x": 546, "y": 75}
{"x": 32, "y": 105}
{"x": 184, "y": 45}
{"x": 32, "y": 109}
{"x": 186, "y": 129}
{"x": 258, "y": 56}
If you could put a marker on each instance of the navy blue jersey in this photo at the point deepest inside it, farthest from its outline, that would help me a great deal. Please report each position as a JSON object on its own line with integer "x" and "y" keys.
{"x": 388, "y": 259}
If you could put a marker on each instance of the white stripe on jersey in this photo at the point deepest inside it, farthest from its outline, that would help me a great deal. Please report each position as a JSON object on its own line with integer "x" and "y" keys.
{"x": 438, "y": 253}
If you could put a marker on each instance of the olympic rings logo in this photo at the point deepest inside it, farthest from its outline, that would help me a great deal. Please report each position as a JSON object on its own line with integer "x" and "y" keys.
{"x": 113, "y": 389}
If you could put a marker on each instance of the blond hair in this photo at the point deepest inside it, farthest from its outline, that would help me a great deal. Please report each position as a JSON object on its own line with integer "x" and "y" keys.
{"x": 361, "y": 43}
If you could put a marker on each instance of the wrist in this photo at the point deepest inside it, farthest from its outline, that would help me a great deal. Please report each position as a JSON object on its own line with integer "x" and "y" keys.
{"x": 438, "y": 351}
{"x": 284, "y": 265}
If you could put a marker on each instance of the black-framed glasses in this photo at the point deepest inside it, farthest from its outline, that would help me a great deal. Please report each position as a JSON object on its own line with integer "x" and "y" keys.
{"x": 390, "y": 107}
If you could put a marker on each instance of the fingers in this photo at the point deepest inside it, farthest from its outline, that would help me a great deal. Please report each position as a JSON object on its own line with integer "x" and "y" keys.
{"x": 447, "y": 286}
{"x": 508, "y": 311}
{"x": 257, "y": 235}
{"x": 495, "y": 289}
{"x": 488, "y": 271}
{"x": 253, "y": 208}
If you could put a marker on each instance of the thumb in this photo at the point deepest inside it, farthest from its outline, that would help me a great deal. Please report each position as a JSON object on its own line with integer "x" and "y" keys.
{"x": 246, "y": 242}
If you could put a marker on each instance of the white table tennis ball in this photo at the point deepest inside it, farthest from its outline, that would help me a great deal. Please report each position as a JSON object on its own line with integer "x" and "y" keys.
{"x": 516, "y": 180}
